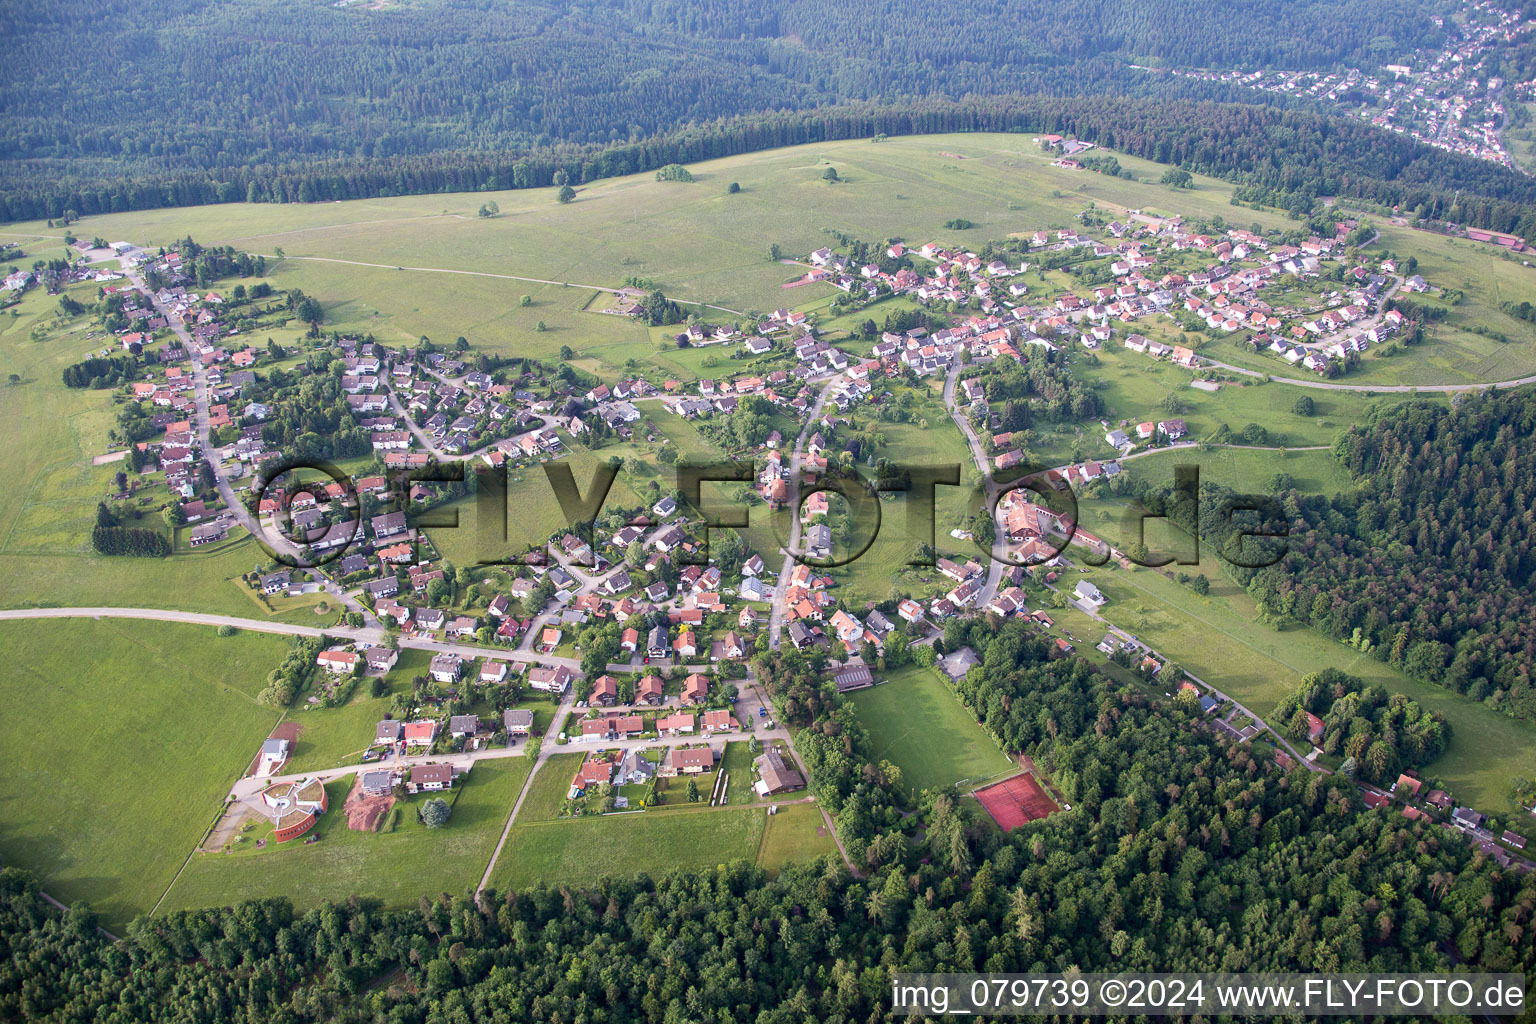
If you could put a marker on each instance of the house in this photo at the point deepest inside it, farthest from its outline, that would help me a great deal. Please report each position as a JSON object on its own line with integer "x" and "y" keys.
{"x": 591, "y": 774}
{"x": 649, "y": 690}
{"x": 381, "y": 659}
{"x": 517, "y": 722}
{"x": 339, "y": 662}
{"x": 274, "y": 754}
{"x": 656, "y": 643}
{"x": 605, "y": 691}
{"x": 720, "y": 721}
{"x": 687, "y": 761}
{"x": 1088, "y": 594}
{"x": 775, "y": 774}
{"x": 460, "y": 726}
{"x": 379, "y": 782}
{"x": 430, "y": 778}
{"x": 421, "y": 733}
{"x": 695, "y": 688}
{"x": 556, "y": 679}
{"x": 387, "y": 733}
{"x": 390, "y": 525}
{"x": 1314, "y": 728}
{"x": 445, "y": 668}
{"x": 635, "y": 768}
{"x": 1466, "y": 818}
{"x": 679, "y": 723}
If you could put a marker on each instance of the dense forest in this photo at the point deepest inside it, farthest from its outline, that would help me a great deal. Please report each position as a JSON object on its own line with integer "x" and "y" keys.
{"x": 1180, "y": 852}
{"x": 1430, "y": 563}
{"x": 223, "y": 102}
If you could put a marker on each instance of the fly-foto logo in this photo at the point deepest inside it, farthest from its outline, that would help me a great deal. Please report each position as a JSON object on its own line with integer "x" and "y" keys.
{"x": 311, "y": 513}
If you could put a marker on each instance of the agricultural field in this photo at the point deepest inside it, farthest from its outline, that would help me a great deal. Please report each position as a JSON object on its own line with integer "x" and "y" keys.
{"x": 124, "y": 737}
{"x": 917, "y": 724}
{"x": 396, "y": 866}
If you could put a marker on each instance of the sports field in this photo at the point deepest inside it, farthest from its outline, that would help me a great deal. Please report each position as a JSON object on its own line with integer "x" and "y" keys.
{"x": 1016, "y": 801}
{"x": 916, "y": 723}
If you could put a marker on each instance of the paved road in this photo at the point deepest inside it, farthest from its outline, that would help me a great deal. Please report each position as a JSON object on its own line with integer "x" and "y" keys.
{"x": 201, "y": 402}
{"x": 996, "y": 563}
{"x": 366, "y": 634}
{"x": 1405, "y": 389}
{"x": 776, "y": 611}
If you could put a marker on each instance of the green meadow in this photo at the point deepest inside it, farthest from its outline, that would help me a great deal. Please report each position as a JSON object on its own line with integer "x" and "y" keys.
{"x": 397, "y": 866}
{"x": 123, "y": 739}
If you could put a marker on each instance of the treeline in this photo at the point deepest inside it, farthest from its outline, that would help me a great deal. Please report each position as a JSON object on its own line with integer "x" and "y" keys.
{"x": 1379, "y": 734}
{"x": 109, "y": 537}
{"x": 1293, "y": 151}
{"x": 1181, "y": 852}
{"x": 101, "y": 372}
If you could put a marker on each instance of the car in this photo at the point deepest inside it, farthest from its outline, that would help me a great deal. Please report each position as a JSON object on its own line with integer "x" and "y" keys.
{"x": 762, "y": 712}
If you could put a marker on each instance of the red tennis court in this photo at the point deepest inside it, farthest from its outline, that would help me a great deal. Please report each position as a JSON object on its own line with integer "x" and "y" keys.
{"x": 1016, "y": 800}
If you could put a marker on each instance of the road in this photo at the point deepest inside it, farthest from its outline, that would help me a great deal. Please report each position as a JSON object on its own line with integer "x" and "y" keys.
{"x": 201, "y": 402}
{"x": 796, "y": 458}
{"x": 998, "y": 560}
{"x": 1402, "y": 389}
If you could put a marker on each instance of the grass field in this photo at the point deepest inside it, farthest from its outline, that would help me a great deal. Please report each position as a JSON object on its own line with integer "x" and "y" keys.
{"x": 1220, "y": 639}
{"x": 396, "y": 867}
{"x": 550, "y": 784}
{"x": 122, "y": 739}
{"x": 796, "y": 833}
{"x": 582, "y": 850}
{"x": 916, "y": 723}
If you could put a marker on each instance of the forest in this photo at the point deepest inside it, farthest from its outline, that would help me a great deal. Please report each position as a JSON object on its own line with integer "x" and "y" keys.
{"x": 1181, "y": 852}
{"x": 1430, "y": 563}
{"x": 226, "y": 102}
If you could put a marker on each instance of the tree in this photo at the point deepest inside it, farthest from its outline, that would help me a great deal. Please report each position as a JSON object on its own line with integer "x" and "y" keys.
{"x": 525, "y": 301}
{"x": 1304, "y": 406}
{"x": 1178, "y": 178}
{"x": 566, "y": 194}
{"x": 540, "y": 327}
{"x": 830, "y": 174}
{"x": 693, "y": 791}
{"x": 173, "y": 515}
{"x": 435, "y": 812}
{"x": 489, "y": 209}
{"x": 15, "y": 378}
{"x": 733, "y": 188}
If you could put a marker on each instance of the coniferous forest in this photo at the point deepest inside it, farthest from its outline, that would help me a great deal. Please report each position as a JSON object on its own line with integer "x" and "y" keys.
{"x": 136, "y": 106}
{"x": 1430, "y": 563}
{"x": 1181, "y": 853}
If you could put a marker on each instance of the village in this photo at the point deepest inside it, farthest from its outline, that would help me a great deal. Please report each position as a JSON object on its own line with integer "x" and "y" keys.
{"x": 628, "y": 636}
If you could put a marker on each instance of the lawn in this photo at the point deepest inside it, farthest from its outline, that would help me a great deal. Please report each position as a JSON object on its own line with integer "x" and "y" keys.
{"x": 396, "y": 867}
{"x": 580, "y": 851}
{"x": 796, "y": 833}
{"x": 918, "y": 724}
{"x": 550, "y": 785}
{"x": 1220, "y": 639}
{"x": 738, "y": 764}
{"x": 122, "y": 739}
